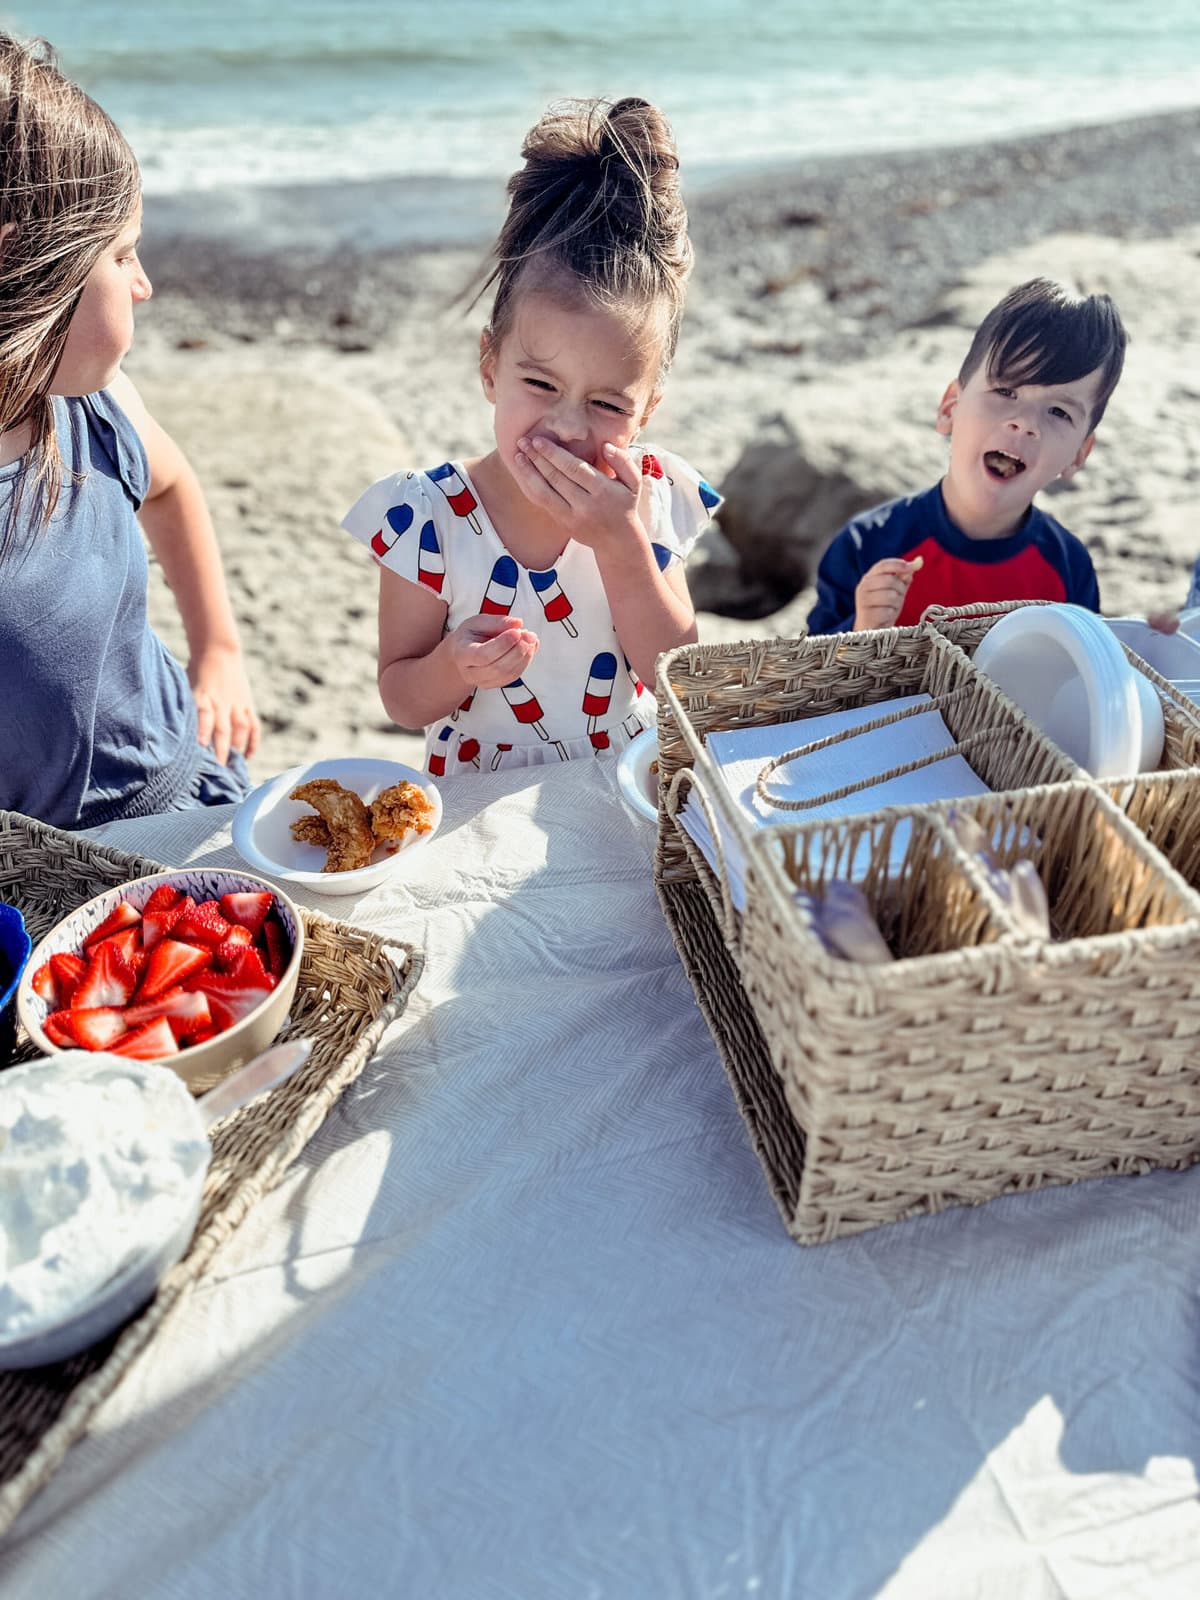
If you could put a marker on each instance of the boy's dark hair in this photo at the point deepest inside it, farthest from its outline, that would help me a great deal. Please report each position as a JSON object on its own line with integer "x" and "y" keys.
{"x": 1042, "y": 333}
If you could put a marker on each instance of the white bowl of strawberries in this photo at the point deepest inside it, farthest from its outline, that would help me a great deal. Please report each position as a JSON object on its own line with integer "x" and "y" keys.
{"x": 196, "y": 969}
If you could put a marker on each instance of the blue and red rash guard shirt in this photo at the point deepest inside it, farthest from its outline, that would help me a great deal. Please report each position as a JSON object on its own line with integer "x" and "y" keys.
{"x": 1041, "y": 561}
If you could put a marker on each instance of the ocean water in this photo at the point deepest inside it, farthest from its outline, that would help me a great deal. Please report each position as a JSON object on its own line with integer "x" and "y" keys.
{"x": 219, "y": 92}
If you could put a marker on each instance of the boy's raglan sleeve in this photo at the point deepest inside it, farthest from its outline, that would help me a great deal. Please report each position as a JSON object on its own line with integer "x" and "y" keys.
{"x": 394, "y": 518}
{"x": 1083, "y": 587}
{"x": 837, "y": 579}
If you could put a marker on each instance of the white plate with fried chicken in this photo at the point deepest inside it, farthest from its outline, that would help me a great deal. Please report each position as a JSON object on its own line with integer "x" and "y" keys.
{"x": 340, "y": 826}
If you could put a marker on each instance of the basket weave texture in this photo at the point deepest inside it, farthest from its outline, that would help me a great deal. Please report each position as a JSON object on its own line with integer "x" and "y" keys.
{"x": 352, "y": 985}
{"x": 982, "y": 1061}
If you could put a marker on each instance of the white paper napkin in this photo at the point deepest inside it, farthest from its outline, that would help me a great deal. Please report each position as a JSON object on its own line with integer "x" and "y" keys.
{"x": 740, "y": 754}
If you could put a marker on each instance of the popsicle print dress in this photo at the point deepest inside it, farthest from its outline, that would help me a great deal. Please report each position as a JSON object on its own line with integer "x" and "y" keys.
{"x": 579, "y": 695}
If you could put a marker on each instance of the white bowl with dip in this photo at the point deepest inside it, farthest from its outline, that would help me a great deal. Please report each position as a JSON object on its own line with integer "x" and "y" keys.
{"x": 102, "y": 1169}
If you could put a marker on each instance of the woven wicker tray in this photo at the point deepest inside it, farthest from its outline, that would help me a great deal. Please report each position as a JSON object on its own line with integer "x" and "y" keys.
{"x": 352, "y": 985}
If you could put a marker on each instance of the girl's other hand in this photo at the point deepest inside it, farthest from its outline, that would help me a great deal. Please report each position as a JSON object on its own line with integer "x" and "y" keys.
{"x": 879, "y": 597}
{"x": 595, "y": 507}
{"x": 489, "y": 652}
{"x": 225, "y": 714}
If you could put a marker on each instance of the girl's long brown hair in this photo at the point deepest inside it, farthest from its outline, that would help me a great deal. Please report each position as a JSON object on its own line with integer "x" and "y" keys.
{"x": 596, "y": 210}
{"x": 68, "y": 185}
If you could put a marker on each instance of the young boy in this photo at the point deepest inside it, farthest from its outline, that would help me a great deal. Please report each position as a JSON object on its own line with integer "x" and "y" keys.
{"x": 1022, "y": 412}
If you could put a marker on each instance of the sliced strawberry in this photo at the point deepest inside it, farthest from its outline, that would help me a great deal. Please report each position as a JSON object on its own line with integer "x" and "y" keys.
{"x": 45, "y": 985}
{"x": 122, "y": 915}
{"x": 230, "y": 1000}
{"x": 168, "y": 964}
{"x": 161, "y": 912}
{"x": 248, "y": 908}
{"x": 57, "y": 1028}
{"x": 163, "y": 898}
{"x": 204, "y": 924}
{"x": 187, "y": 1013}
{"x": 108, "y": 981}
{"x": 278, "y": 949}
{"x": 249, "y": 968}
{"x": 129, "y": 943}
{"x": 229, "y": 951}
{"x": 154, "y": 1042}
{"x": 203, "y": 1035}
{"x": 96, "y": 1028}
{"x": 68, "y": 970}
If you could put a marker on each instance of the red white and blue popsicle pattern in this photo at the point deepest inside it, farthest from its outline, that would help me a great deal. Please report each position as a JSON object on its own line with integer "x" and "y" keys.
{"x": 501, "y": 591}
{"x": 459, "y": 497}
{"x": 554, "y": 602}
{"x": 398, "y": 521}
{"x": 556, "y": 699}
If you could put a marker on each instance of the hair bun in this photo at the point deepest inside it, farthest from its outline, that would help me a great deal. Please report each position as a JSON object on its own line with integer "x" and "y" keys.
{"x": 597, "y": 201}
{"x": 622, "y": 153}
{"x": 641, "y": 136}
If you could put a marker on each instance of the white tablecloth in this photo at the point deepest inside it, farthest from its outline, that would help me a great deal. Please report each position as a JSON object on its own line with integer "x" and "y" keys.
{"x": 524, "y": 1323}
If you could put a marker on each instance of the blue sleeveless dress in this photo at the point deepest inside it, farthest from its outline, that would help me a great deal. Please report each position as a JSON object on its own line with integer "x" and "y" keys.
{"x": 97, "y": 720}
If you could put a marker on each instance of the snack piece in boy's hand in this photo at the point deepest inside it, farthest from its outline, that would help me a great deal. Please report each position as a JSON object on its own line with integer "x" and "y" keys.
{"x": 351, "y": 842}
{"x": 397, "y": 810}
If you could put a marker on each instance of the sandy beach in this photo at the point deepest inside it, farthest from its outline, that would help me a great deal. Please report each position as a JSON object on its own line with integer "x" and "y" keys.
{"x": 301, "y": 344}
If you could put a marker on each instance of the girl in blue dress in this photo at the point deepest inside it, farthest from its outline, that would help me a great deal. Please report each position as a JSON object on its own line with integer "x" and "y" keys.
{"x": 97, "y": 719}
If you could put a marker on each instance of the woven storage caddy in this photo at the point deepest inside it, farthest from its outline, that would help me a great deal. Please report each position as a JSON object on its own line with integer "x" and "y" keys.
{"x": 705, "y": 687}
{"x": 1165, "y": 806}
{"x": 352, "y": 984}
{"x": 982, "y": 1061}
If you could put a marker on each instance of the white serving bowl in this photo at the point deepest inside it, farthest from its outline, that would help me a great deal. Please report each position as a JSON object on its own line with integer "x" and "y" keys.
{"x": 262, "y": 825}
{"x": 1066, "y": 671}
{"x": 637, "y": 783}
{"x": 110, "y": 1303}
{"x": 200, "y": 1064}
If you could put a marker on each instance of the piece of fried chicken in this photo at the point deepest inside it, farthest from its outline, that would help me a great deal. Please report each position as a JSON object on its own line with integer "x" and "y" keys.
{"x": 351, "y": 842}
{"x": 397, "y": 809}
{"x": 311, "y": 830}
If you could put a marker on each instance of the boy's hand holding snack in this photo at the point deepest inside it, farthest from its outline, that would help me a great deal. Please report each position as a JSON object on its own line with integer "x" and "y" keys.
{"x": 879, "y": 596}
{"x": 490, "y": 651}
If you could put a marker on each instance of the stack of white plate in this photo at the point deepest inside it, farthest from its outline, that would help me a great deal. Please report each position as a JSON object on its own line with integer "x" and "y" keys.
{"x": 1065, "y": 669}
